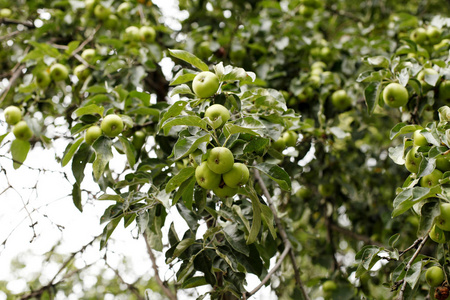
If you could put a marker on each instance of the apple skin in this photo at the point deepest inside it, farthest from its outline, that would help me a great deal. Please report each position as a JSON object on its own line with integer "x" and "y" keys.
{"x": 204, "y": 50}
{"x": 329, "y": 287}
{"x": 290, "y": 138}
{"x": 90, "y": 4}
{"x": 237, "y": 176}
{"x": 101, "y": 12}
{"x": 112, "y": 125}
{"x": 92, "y": 134}
{"x": 443, "y": 162}
{"x": 444, "y": 90}
{"x": 13, "y": 115}
{"x": 5, "y": 13}
{"x": 82, "y": 72}
{"x": 206, "y": 178}
{"x": 111, "y": 22}
{"x": 218, "y": 114}
{"x": 421, "y": 77}
{"x": 224, "y": 191}
{"x": 220, "y": 160}
{"x": 279, "y": 144}
{"x": 21, "y": 131}
{"x": 437, "y": 235}
{"x": 340, "y": 99}
{"x": 123, "y": 9}
{"x": 43, "y": 79}
{"x": 443, "y": 220}
{"x": 147, "y": 34}
{"x": 138, "y": 139}
{"x": 318, "y": 65}
{"x": 419, "y": 36}
{"x": 433, "y": 35}
{"x": 434, "y": 276}
{"x": 395, "y": 95}
{"x": 419, "y": 139}
{"x": 132, "y": 34}
{"x": 59, "y": 72}
{"x": 88, "y": 55}
{"x": 205, "y": 84}
{"x": 326, "y": 189}
{"x": 412, "y": 160}
{"x": 432, "y": 179}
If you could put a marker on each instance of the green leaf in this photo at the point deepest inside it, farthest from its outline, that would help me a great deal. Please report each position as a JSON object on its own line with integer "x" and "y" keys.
{"x": 182, "y": 77}
{"x": 184, "y": 121}
{"x": 186, "y": 145}
{"x": 116, "y": 198}
{"x": 182, "y": 246}
{"x": 129, "y": 151}
{"x": 275, "y": 173}
{"x": 256, "y": 222}
{"x": 3, "y": 136}
{"x": 413, "y": 274}
{"x": 181, "y": 89}
{"x": 69, "y": 153}
{"x": 267, "y": 218}
{"x": 408, "y": 197}
{"x": 72, "y": 46}
{"x": 102, "y": 147}
{"x": 79, "y": 161}
{"x": 236, "y": 238}
{"x": 76, "y": 196}
{"x": 230, "y": 129}
{"x": 144, "y": 97}
{"x": 178, "y": 179}
{"x": 402, "y": 128}
{"x": 428, "y": 212}
{"x": 173, "y": 111}
{"x": 108, "y": 230}
{"x": 193, "y": 282}
{"x": 367, "y": 257}
{"x": 19, "y": 152}
{"x": 189, "y": 58}
{"x": 371, "y": 95}
{"x": 378, "y": 61}
{"x": 113, "y": 66}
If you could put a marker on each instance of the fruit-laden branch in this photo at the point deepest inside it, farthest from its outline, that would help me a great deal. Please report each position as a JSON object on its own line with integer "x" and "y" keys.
{"x": 408, "y": 266}
{"x": 286, "y": 242}
{"x": 165, "y": 289}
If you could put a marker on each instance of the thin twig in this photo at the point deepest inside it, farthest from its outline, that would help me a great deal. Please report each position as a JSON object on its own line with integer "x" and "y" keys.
{"x": 130, "y": 286}
{"x": 165, "y": 289}
{"x": 355, "y": 236}
{"x": 7, "y": 21}
{"x": 86, "y": 41}
{"x": 12, "y": 81}
{"x": 282, "y": 232}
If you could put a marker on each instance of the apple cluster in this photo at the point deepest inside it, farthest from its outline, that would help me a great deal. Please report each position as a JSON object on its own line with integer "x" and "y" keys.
{"x": 287, "y": 139}
{"x": 145, "y": 34}
{"x": 111, "y": 125}
{"x": 20, "y": 129}
{"x": 221, "y": 174}
{"x": 426, "y": 36}
{"x": 308, "y": 7}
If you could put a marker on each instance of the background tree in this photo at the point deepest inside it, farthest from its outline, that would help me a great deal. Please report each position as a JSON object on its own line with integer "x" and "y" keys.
{"x": 303, "y": 107}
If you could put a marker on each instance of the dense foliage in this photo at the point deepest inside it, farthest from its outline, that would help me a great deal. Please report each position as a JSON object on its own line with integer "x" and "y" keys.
{"x": 320, "y": 102}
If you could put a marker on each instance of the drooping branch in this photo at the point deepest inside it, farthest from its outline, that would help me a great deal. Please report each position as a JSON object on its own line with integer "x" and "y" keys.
{"x": 282, "y": 232}
{"x": 161, "y": 284}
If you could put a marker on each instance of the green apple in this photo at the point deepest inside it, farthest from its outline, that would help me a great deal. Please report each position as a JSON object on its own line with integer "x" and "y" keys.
{"x": 395, "y": 95}
{"x": 290, "y": 138}
{"x": 5, "y": 13}
{"x": 237, "y": 54}
{"x": 329, "y": 287}
{"x": 112, "y": 22}
{"x": 437, "y": 235}
{"x": 21, "y": 131}
{"x": 237, "y": 176}
{"x": 205, "y": 84}
{"x": 59, "y": 72}
{"x": 443, "y": 162}
{"x": 306, "y": 11}
{"x": 413, "y": 160}
{"x": 147, "y": 34}
{"x": 112, "y": 125}
{"x": 138, "y": 139}
{"x": 419, "y": 139}
{"x": 204, "y": 50}
{"x": 101, "y": 12}
{"x": 89, "y": 4}
{"x": 444, "y": 90}
{"x": 328, "y": 77}
{"x": 88, "y": 55}
{"x": 92, "y": 134}
{"x": 434, "y": 276}
{"x": 82, "y": 72}
{"x": 421, "y": 78}
{"x": 314, "y": 80}
{"x": 279, "y": 144}
{"x": 442, "y": 45}
{"x": 13, "y": 115}
{"x": 43, "y": 79}
{"x": 224, "y": 191}
{"x": 433, "y": 35}
{"x": 318, "y": 65}
{"x": 443, "y": 220}
{"x": 316, "y": 71}
{"x": 123, "y": 9}
{"x": 326, "y": 189}
{"x": 132, "y": 33}
{"x": 218, "y": 114}
{"x": 431, "y": 179}
{"x": 325, "y": 53}
{"x": 419, "y": 36}
{"x": 340, "y": 99}
{"x": 206, "y": 178}
{"x": 220, "y": 160}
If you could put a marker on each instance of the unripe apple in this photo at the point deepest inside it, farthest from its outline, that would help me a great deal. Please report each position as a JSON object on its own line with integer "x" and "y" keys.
{"x": 326, "y": 189}
{"x": 431, "y": 179}
{"x": 413, "y": 160}
{"x": 205, "y": 84}
{"x": 318, "y": 65}
{"x": 204, "y": 50}
{"x": 444, "y": 90}
{"x": 237, "y": 176}
{"x": 442, "y": 45}
{"x": 329, "y": 287}
{"x": 59, "y": 72}
{"x": 433, "y": 35}
{"x": 82, "y": 72}
{"x": 395, "y": 95}
{"x": 220, "y": 160}
{"x": 90, "y": 4}
{"x": 340, "y": 99}
{"x": 132, "y": 33}
{"x": 306, "y": 11}
{"x": 325, "y": 53}
{"x": 290, "y": 138}
{"x": 111, "y": 22}
{"x": 112, "y": 125}
{"x": 218, "y": 114}
{"x": 147, "y": 34}
{"x": 92, "y": 134}
{"x": 43, "y": 79}
{"x": 419, "y": 36}
{"x": 443, "y": 220}
{"x": 21, "y": 131}
{"x": 5, "y": 13}
{"x": 279, "y": 144}
{"x": 434, "y": 276}
{"x": 421, "y": 78}
{"x": 237, "y": 54}
{"x": 13, "y": 115}
{"x": 437, "y": 235}
{"x": 138, "y": 139}
{"x": 123, "y": 9}
{"x": 101, "y": 12}
{"x": 88, "y": 55}
{"x": 443, "y": 162}
{"x": 224, "y": 191}
{"x": 419, "y": 139}
{"x": 206, "y": 178}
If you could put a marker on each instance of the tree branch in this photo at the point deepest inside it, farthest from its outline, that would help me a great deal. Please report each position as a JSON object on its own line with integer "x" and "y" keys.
{"x": 355, "y": 235}
{"x": 7, "y": 21}
{"x": 165, "y": 289}
{"x": 282, "y": 232}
